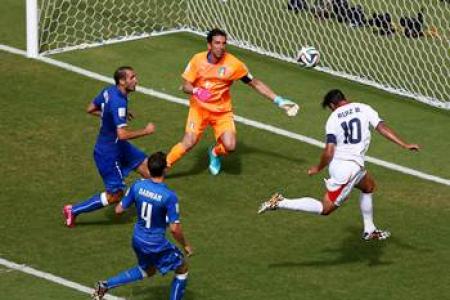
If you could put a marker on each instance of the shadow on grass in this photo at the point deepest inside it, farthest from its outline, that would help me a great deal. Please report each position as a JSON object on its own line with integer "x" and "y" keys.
{"x": 160, "y": 292}
{"x": 352, "y": 250}
{"x": 129, "y": 216}
{"x": 231, "y": 164}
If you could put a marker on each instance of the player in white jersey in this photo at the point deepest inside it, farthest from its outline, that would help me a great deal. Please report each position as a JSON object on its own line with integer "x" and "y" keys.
{"x": 347, "y": 140}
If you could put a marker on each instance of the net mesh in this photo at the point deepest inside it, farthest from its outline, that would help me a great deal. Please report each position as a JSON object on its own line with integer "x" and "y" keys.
{"x": 397, "y": 45}
{"x": 67, "y": 24}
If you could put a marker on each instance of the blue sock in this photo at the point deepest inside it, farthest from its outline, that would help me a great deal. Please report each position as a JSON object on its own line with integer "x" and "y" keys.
{"x": 178, "y": 287}
{"x": 130, "y": 275}
{"x": 91, "y": 204}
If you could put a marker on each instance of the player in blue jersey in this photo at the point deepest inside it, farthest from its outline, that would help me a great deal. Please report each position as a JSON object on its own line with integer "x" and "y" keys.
{"x": 114, "y": 156}
{"x": 156, "y": 205}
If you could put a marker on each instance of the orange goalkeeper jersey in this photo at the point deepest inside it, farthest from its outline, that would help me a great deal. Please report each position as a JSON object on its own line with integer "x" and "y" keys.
{"x": 217, "y": 78}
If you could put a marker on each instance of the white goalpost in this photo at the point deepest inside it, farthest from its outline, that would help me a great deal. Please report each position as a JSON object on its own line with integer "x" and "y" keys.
{"x": 400, "y": 46}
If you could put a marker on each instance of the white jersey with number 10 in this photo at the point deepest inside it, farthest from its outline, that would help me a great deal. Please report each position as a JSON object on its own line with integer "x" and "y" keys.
{"x": 350, "y": 126}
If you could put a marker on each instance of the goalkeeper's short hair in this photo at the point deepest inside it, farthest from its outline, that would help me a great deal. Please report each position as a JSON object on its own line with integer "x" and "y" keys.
{"x": 215, "y": 32}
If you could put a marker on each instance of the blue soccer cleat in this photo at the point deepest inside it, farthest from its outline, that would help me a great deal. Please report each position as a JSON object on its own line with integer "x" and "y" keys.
{"x": 215, "y": 162}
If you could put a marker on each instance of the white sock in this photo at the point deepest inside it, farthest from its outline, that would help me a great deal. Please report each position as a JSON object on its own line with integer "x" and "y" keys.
{"x": 104, "y": 199}
{"x": 305, "y": 204}
{"x": 366, "y": 206}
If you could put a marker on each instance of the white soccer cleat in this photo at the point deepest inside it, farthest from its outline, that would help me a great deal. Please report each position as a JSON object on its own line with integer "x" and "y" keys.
{"x": 271, "y": 204}
{"x": 377, "y": 235}
{"x": 99, "y": 291}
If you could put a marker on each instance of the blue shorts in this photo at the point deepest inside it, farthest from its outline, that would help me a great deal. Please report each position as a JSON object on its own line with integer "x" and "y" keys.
{"x": 115, "y": 167}
{"x": 165, "y": 261}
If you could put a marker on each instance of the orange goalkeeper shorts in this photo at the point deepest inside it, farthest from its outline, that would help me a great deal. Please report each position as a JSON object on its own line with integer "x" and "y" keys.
{"x": 199, "y": 119}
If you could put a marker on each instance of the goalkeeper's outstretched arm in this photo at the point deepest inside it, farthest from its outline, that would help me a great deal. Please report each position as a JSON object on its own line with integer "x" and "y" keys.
{"x": 290, "y": 107}
{"x": 262, "y": 88}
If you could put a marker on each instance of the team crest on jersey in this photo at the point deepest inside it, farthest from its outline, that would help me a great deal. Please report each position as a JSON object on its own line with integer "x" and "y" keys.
{"x": 222, "y": 71}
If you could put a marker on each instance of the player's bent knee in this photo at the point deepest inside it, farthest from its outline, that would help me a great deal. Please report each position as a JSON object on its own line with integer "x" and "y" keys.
{"x": 189, "y": 142}
{"x": 328, "y": 208}
{"x": 150, "y": 271}
{"x": 183, "y": 269}
{"x": 114, "y": 197}
{"x": 230, "y": 147}
{"x": 326, "y": 212}
{"x": 369, "y": 188}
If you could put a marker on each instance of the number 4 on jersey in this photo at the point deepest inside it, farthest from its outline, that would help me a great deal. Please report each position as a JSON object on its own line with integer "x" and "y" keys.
{"x": 146, "y": 214}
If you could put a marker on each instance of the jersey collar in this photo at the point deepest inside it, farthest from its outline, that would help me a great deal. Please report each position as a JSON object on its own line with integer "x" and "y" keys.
{"x": 119, "y": 92}
{"x": 208, "y": 58}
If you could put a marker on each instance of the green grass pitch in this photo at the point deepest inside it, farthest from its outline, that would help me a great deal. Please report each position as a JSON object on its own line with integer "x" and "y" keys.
{"x": 46, "y": 161}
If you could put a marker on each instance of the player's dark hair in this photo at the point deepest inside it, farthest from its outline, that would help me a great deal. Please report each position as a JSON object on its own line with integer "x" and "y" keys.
{"x": 121, "y": 73}
{"x": 333, "y": 96}
{"x": 157, "y": 164}
{"x": 215, "y": 32}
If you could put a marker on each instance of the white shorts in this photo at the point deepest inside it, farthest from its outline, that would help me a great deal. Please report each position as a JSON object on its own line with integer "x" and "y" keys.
{"x": 344, "y": 175}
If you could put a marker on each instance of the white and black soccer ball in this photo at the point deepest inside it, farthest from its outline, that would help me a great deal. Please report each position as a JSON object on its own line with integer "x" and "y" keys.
{"x": 308, "y": 57}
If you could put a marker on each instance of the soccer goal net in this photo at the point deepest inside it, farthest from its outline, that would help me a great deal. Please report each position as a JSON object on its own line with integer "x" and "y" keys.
{"x": 397, "y": 45}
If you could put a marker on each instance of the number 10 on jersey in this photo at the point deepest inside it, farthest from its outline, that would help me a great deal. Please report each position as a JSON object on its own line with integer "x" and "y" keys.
{"x": 352, "y": 131}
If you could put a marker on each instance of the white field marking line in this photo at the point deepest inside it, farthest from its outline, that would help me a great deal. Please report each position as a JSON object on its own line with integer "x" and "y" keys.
{"x": 239, "y": 119}
{"x": 53, "y": 278}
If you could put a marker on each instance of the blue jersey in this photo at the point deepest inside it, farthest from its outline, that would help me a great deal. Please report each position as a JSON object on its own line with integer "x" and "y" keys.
{"x": 156, "y": 205}
{"x": 113, "y": 105}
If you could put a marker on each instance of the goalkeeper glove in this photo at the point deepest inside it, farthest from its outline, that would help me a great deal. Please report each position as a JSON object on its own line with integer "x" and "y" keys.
{"x": 290, "y": 107}
{"x": 201, "y": 94}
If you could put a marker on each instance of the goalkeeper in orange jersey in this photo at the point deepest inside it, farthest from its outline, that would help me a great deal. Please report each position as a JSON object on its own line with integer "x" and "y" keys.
{"x": 208, "y": 78}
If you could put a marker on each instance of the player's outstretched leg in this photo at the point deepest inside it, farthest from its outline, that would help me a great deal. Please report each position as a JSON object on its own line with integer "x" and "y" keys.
{"x": 95, "y": 202}
{"x": 271, "y": 204}
{"x": 125, "y": 277}
{"x": 215, "y": 162}
{"x": 377, "y": 235}
{"x": 100, "y": 290}
{"x": 304, "y": 204}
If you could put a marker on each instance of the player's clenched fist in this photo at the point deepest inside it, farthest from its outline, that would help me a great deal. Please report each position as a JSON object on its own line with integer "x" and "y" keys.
{"x": 150, "y": 128}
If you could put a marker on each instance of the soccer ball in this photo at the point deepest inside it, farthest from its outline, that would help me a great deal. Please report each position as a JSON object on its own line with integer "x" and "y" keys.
{"x": 308, "y": 57}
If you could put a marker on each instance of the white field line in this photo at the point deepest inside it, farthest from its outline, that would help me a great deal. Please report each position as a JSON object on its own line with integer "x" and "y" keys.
{"x": 239, "y": 119}
{"x": 52, "y": 278}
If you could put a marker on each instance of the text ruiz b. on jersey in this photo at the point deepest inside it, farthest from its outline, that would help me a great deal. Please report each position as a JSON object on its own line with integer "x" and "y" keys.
{"x": 348, "y": 112}
{"x": 149, "y": 194}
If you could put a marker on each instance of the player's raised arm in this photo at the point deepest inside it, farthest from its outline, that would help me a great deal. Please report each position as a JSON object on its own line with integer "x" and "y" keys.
{"x": 290, "y": 107}
{"x": 389, "y": 133}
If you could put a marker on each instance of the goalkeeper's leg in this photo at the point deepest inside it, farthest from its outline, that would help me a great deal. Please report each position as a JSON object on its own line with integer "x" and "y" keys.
{"x": 225, "y": 133}
{"x": 180, "y": 149}
{"x": 222, "y": 148}
{"x": 195, "y": 125}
